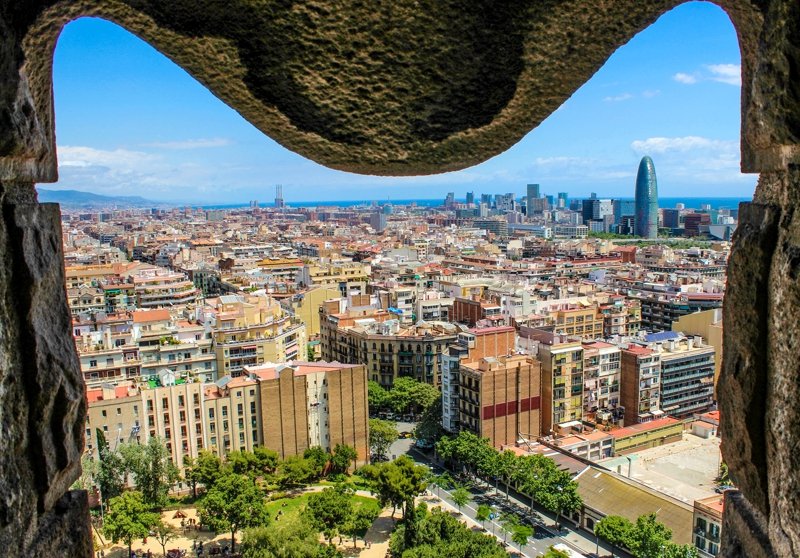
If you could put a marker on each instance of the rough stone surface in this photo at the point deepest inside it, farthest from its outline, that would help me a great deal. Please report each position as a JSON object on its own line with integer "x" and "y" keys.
{"x": 402, "y": 87}
{"x": 743, "y": 386}
{"x": 42, "y": 397}
{"x": 744, "y": 529}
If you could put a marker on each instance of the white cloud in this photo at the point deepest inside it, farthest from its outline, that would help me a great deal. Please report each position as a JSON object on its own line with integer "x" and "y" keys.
{"x": 730, "y": 74}
{"x": 650, "y": 93}
{"x": 198, "y": 143}
{"x": 617, "y": 98}
{"x": 80, "y": 156}
{"x": 688, "y": 79}
{"x": 726, "y": 73}
{"x": 685, "y": 143}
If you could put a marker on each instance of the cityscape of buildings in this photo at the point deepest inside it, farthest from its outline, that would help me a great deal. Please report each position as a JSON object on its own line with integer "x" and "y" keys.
{"x": 542, "y": 324}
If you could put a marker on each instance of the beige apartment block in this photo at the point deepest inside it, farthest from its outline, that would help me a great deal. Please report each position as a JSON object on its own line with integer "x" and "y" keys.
{"x": 389, "y": 350}
{"x": 336, "y": 272}
{"x": 500, "y": 398}
{"x": 562, "y": 379}
{"x": 307, "y": 404}
{"x": 249, "y": 330}
{"x": 306, "y": 304}
{"x": 708, "y": 325}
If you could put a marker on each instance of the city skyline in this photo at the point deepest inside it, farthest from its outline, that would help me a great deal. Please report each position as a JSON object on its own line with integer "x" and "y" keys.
{"x": 672, "y": 92}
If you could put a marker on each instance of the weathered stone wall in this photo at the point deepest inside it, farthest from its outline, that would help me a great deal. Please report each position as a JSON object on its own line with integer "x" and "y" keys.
{"x": 401, "y": 87}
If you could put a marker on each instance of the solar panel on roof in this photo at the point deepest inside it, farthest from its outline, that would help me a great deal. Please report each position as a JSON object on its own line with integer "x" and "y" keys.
{"x": 661, "y": 336}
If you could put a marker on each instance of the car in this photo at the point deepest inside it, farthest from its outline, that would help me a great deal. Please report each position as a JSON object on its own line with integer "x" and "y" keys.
{"x": 405, "y": 435}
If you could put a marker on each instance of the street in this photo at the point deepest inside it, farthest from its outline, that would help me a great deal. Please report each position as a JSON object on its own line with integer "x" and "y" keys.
{"x": 542, "y": 521}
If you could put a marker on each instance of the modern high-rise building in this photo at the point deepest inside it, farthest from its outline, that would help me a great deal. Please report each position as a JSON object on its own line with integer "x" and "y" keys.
{"x": 562, "y": 200}
{"x": 646, "y": 199}
{"x": 279, "y": 203}
{"x": 533, "y": 192}
{"x": 470, "y": 197}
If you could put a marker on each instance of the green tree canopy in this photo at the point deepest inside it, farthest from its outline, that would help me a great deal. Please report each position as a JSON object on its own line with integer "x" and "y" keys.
{"x": 268, "y": 459}
{"x": 648, "y": 537}
{"x": 291, "y": 537}
{"x": 296, "y": 471}
{"x": 483, "y": 512}
{"x": 672, "y": 550}
{"x": 319, "y": 457}
{"x": 438, "y": 534}
{"x": 110, "y": 475}
{"x": 207, "y": 468}
{"x": 460, "y": 497}
{"x": 382, "y": 435}
{"x": 615, "y": 530}
{"x": 408, "y": 395}
{"x": 553, "y": 552}
{"x": 330, "y": 510}
{"x": 377, "y": 396}
{"x": 152, "y": 468}
{"x": 129, "y": 518}
{"x": 521, "y": 534}
{"x": 243, "y": 463}
{"x": 398, "y": 482}
{"x": 233, "y": 503}
{"x": 361, "y": 520}
{"x": 343, "y": 456}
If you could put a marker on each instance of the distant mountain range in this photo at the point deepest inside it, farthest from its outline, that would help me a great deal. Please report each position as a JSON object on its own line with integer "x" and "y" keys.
{"x": 76, "y": 198}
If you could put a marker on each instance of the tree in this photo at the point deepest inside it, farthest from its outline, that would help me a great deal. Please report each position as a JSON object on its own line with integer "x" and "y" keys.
{"x": 553, "y": 552}
{"x": 288, "y": 538}
{"x": 207, "y": 468}
{"x": 153, "y": 470}
{"x": 672, "y": 550}
{"x": 361, "y": 520}
{"x": 330, "y": 510}
{"x": 648, "y": 537}
{"x": 233, "y": 503}
{"x": 723, "y": 479}
{"x": 397, "y": 483}
{"x": 268, "y": 459}
{"x": 509, "y": 522}
{"x": 409, "y": 395}
{"x": 382, "y": 435}
{"x": 128, "y": 518}
{"x": 89, "y": 469}
{"x": 319, "y": 457}
{"x": 296, "y": 471}
{"x": 377, "y": 396}
{"x": 110, "y": 471}
{"x": 615, "y": 530}
{"x": 460, "y": 497}
{"x": 164, "y": 533}
{"x": 521, "y": 535}
{"x": 243, "y": 463}
{"x": 429, "y": 426}
{"x": 343, "y": 456}
{"x": 559, "y": 493}
{"x": 483, "y": 513}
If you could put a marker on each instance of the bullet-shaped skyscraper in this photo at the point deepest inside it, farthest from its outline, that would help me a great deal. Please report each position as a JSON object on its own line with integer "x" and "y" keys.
{"x": 646, "y": 223}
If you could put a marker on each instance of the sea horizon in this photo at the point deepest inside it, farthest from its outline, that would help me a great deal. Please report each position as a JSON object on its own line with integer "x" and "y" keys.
{"x": 716, "y": 202}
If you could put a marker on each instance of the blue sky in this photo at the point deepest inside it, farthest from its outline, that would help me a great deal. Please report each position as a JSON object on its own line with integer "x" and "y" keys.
{"x": 130, "y": 122}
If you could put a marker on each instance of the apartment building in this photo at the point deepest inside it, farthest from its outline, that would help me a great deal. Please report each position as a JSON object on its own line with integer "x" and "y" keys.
{"x": 601, "y": 374}
{"x": 158, "y": 288}
{"x": 582, "y": 320}
{"x": 621, "y": 316}
{"x": 335, "y": 272}
{"x": 472, "y": 310}
{"x": 640, "y": 384}
{"x": 500, "y": 398}
{"x": 285, "y": 408}
{"x": 687, "y": 373}
{"x": 307, "y": 404}
{"x": 377, "y": 339}
{"x": 252, "y": 329}
{"x": 562, "y": 378}
{"x": 707, "y": 521}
